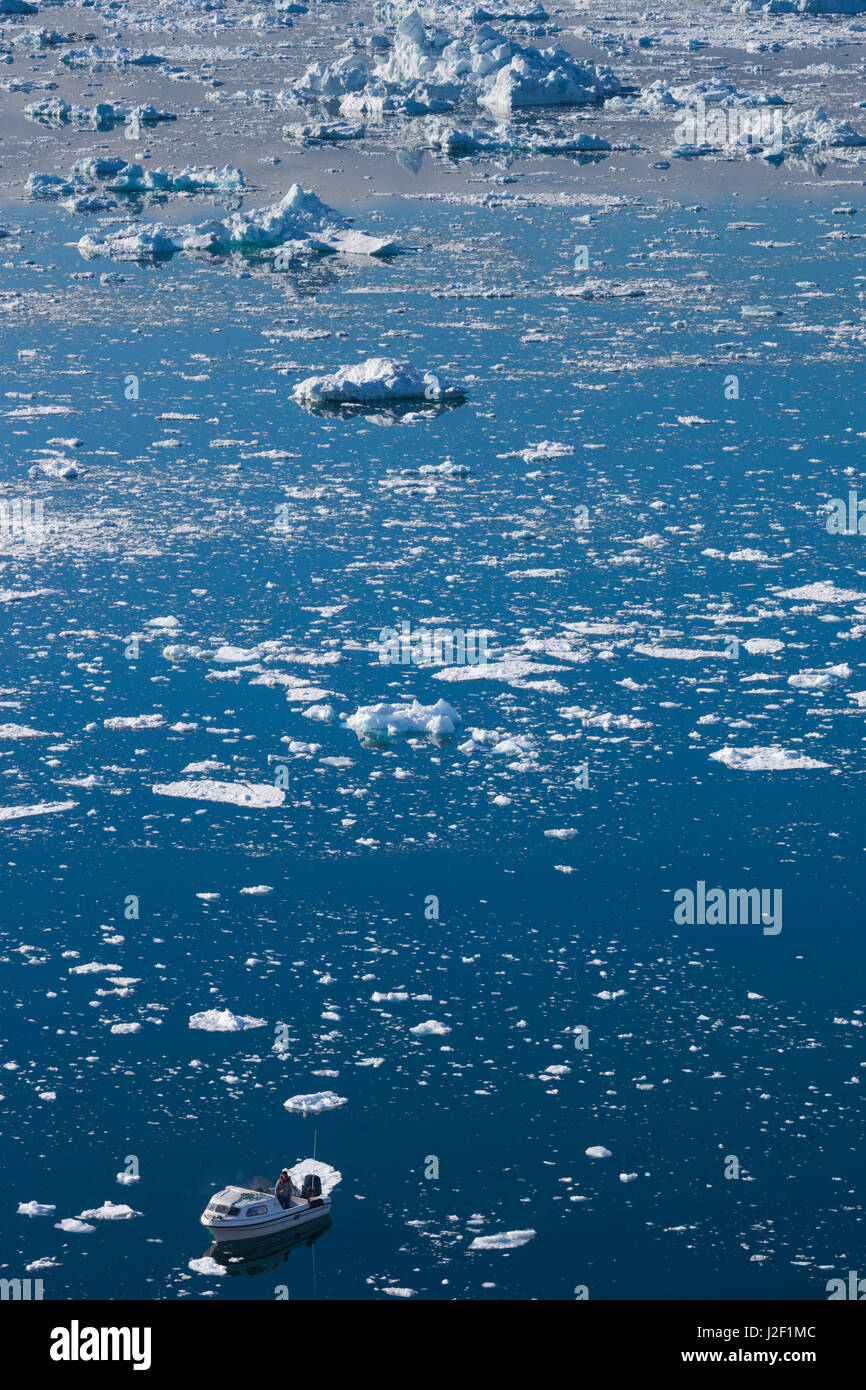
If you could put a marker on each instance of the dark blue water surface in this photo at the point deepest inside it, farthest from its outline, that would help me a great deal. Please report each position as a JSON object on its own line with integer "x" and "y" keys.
{"x": 725, "y": 1041}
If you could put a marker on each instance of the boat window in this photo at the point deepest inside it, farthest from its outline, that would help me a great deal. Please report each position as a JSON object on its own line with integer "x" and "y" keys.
{"x": 215, "y": 1206}
{"x": 260, "y": 1210}
{"x": 234, "y": 1211}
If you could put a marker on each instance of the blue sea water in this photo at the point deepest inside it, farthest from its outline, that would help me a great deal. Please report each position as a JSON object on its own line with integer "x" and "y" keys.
{"x": 725, "y": 1040}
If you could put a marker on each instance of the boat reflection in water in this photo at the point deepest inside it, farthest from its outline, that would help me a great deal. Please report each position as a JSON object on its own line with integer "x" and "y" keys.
{"x": 259, "y": 1255}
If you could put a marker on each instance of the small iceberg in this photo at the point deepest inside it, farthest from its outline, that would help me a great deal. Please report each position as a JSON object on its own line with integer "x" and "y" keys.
{"x": 391, "y": 721}
{"x": 109, "y": 1211}
{"x": 224, "y": 1021}
{"x": 324, "y": 132}
{"x": 207, "y": 1265}
{"x": 372, "y": 382}
{"x": 300, "y": 220}
{"x": 315, "y": 1103}
{"x": 820, "y": 679}
{"x": 35, "y": 1208}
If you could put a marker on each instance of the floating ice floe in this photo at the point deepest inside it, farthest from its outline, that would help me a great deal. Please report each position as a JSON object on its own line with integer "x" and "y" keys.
{"x": 544, "y": 450}
{"x": 56, "y": 466}
{"x": 824, "y": 591}
{"x": 763, "y": 646}
{"x": 513, "y": 670}
{"x": 117, "y": 176}
{"x": 109, "y": 1211}
{"x": 120, "y": 177}
{"x": 821, "y": 679}
{"x": 509, "y": 139}
{"x": 135, "y": 721}
{"x": 390, "y": 721}
{"x": 678, "y": 653}
{"x": 330, "y": 1177}
{"x": 598, "y": 1151}
{"x": 253, "y": 795}
{"x": 98, "y": 57}
{"x": 432, "y": 1028}
{"x": 324, "y": 132}
{"x": 206, "y": 1264}
{"x": 605, "y": 720}
{"x": 35, "y": 1209}
{"x": 604, "y": 289}
{"x": 300, "y": 221}
{"x": 314, "y": 1104}
{"x": 54, "y": 113}
{"x": 503, "y": 1240}
{"x": 224, "y": 1021}
{"x": 376, "y": 380}
{"x": 41, "y": 808}
{"x": 772, "y": 758}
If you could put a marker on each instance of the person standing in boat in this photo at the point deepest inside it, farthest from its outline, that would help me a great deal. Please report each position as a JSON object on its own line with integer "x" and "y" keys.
{"x": 283, "y": 1189}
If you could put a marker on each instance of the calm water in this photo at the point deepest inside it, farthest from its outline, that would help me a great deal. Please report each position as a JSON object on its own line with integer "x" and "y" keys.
{"x": 684, "y": 1068}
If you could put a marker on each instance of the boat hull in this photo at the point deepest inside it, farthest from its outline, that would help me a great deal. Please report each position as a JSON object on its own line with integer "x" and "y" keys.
{"x": 292, "y": 1219}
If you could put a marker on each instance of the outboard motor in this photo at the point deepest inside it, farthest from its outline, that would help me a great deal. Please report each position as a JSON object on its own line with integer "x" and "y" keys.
{"x": 312, "y": 1187}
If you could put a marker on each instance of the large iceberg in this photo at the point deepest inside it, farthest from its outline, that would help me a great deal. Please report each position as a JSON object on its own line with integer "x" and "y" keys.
{"x": 430, "y": 70}
{"x": 548, "y": 77}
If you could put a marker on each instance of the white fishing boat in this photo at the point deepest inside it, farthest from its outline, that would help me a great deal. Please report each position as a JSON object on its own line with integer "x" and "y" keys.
{"x": 239, "y": 1213}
